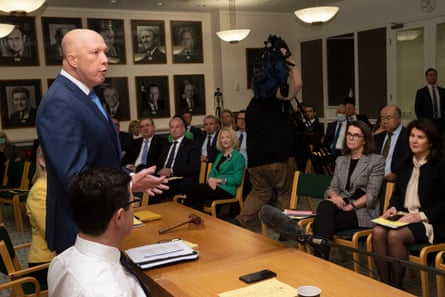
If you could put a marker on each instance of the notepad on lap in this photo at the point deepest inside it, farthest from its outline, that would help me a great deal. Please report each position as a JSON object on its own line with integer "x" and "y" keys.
{"x": 147, "y": 215}
{"x": 388, "y": 223}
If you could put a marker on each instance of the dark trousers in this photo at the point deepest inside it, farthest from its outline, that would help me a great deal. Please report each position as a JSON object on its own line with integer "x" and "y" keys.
{"x": 197, "y": 194}
{"x": 330, "y": 219}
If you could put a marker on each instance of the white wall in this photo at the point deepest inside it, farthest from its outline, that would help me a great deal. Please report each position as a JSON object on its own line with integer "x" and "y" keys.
{"x": 224, "y": 64}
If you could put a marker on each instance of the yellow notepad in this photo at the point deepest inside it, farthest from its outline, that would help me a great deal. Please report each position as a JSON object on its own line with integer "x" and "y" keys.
{"x": 388, "y": 223}
{"x": 147, "y": 215}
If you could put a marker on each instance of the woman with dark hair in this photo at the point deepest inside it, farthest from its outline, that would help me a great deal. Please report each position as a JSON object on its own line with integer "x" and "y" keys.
{"x": 351, "y": 200}
{"x": 419, "y": 193}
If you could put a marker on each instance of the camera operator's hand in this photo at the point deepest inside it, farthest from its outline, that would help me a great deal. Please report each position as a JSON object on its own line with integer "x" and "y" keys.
{"x": 294, "y": 79}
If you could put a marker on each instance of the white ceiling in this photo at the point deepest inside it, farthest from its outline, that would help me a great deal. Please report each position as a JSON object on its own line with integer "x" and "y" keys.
{"x": 192, "y": 5}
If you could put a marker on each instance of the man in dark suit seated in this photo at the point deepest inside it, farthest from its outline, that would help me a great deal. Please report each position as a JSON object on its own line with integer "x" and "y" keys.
{"x": 147, "y": 149}
{"x": 430, "y": 100}
{"x": 208, "y": 144}
{"x": 335, "y": 132}
{"x": 197, "y": 133}
{"x": 179, "y": 159}
{"x": 352, "y": 116}
{"x": 392, "y": 143}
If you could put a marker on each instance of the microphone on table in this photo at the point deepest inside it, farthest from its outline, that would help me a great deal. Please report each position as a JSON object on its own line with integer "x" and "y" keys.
{"x": 288, "y": 228}
{"x": 313, "y": 240}
{"x": 192, "y": 219}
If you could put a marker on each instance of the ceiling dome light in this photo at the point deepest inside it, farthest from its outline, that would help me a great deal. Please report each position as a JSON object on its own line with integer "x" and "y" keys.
{"x": 233, "y": 36}
{"x": 408, "y": 35}
{"x": 316, "y": 15}
{"x": 5, "y": 29}
{"x": 20, "y": 7}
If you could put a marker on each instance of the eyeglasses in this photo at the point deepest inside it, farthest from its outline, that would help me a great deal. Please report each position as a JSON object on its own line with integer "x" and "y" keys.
{"x": 387, "y": 118}
{"x": 135, "y": 200}
{"x": 240, "y": 118}
{"x": 354, "y": 136}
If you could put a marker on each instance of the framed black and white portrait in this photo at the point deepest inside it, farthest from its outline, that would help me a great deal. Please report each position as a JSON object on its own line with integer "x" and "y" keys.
{"x": 113, "y": 33}
{"x": 187, "y": 42}
{"x": 19, "y": 48}
{"x": 148, "y": 42}
{"x": 153, "y": 98}
{"x": 190, "y": 94}
{"x": 53, "y": 31}
{"x": 113, "y": 94}
{"x": 19, "y": 102}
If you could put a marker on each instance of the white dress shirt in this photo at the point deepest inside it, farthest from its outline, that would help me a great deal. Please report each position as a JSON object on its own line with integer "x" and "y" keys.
{"x": 139, "y": 160}
{"x": 394, "y": 137}
{"x": 90, "y": 269}
{"x": 242, "y": 145}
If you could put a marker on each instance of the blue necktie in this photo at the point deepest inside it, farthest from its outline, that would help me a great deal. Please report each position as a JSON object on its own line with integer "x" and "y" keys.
{"x": 144, "y": 152}
{"x": 334, "y": 142}
{"x": 95, "y": 99}
{"x": 435, "y": 109}
{"x": 241, "y": 136}
{"x": 171, "y": 157}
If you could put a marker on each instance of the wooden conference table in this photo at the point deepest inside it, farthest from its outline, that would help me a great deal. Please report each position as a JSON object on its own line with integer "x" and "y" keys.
{"x": 227, "y": 251}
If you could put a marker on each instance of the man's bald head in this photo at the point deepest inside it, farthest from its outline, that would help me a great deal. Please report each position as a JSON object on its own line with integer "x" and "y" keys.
{"x": 84, "y": 56}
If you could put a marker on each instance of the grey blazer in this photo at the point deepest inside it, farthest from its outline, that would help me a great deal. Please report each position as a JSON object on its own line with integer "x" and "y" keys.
{"x": 367, "y": 176}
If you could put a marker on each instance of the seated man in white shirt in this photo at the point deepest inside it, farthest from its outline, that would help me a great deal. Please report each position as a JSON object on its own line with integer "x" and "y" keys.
{"x": 101, "y": 201}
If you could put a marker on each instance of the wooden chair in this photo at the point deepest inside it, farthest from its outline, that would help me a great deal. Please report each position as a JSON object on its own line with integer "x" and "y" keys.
{"x": 311, "y": 186}
{"x": 440, "y": 264}
{"x": 211, "y": 205}
{"x": 352, "y": 237}
{"x": 419, "y": 254}
{"x": 9, "y": 265}
{"x": 16, "y": 173}
{"x": 16, "y": 196}
{"x": 204, "y": 171}
{"x": 16, "y": 285}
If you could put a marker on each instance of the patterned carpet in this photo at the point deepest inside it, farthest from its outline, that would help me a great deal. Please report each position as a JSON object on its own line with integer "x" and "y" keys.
{"x": 411, "y": 285}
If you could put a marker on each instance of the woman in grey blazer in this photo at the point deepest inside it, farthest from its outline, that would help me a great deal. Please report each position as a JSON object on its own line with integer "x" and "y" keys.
{"x": 351, "y": 200}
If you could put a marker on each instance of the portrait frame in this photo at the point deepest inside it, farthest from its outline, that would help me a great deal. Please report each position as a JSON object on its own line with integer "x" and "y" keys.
{"x": 119, "y": 84}
{"x": 140, "y": 56}
{"x": 143, "y": 84}
{"x": 198, "y": 83}
{"x": 28, "y": 56}
{"x": 10, "y": 118}
{"x": 116, "y": 52}
{"x": 52, "y": 27}
{"x": 252, "y": 55}
{"x": 190, "y": 30}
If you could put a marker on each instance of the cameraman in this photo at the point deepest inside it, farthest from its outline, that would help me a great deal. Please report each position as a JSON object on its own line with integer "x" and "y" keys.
{"x": 271, "y": 132}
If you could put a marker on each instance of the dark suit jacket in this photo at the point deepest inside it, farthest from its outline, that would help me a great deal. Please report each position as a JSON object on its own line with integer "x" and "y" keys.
{"x": 30, "y": 121}
{"x": 315, "y": 134}
{"x": 211, "y": 155}
{"x": 74, "y": 136}
{"x": 187, "y": 164}
{"x": 197, "y": 133}
{"x": 431, "y": 190}
{"x": 157, "y": 146}
{"x": 330, "y": 134}
{"x": 156, "y": 57}
{"x": 363, "y": 118}
{"x": 424, "y": 105}
{"x": 400, "y": 150}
